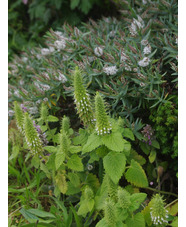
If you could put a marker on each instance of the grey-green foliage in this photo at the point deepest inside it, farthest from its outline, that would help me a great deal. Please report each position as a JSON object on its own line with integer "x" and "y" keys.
{"x": 140, "y": 48}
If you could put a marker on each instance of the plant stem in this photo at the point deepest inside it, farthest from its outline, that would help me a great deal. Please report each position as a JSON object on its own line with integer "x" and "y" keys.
{"x": 163, "y": 192}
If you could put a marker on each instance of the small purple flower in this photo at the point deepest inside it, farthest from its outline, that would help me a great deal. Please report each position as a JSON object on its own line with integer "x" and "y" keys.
{"x": 24, "y": 108}
{"x": 151, "y": 183}
{"x": 148, "y": 134}
{"x": 25, "y": 2}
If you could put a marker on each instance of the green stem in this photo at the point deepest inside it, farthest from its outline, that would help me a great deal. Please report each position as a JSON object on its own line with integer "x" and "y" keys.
{"x": 163, "y": 192}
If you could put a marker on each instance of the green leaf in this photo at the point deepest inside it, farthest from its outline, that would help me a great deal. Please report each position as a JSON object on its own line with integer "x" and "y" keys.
{"x": 102, "y": 223}
{"x": 145, "y": 148}
{"x": 114, "y": 164}
{"x": 77, "y": 218}
{"x": 61, "y": 183}
{"x": 138, "y": 220}
{"x": 15, "y": 152}
{"x": 134, "y": 155}
{"x": 152, "y": 156}
{"x": 50, "y": 149}
{"x": 114, "y": 141}
{"x": 155, "y": 144}
{"x": 74, "y": 179}
{"x": 93, "y": 157}
{"x": 60, "y": 157}
{"x": 28, "y": 216}
{"x": 75, "y": 163}
{"x": 74, "y": 4}
{"x": 127, "y": 132}
{"x": 82, "y": 138}
{"x": 136, "y": 175}
{"x": 75, "y": 149}
{"x": 93, "y": 142}
{"x": 85, "y": 6}
{"x": 52, "y": 118}
{"x": 45, "y": 170}
{"x": 41, "y": 213}
{"x": 35, "y": 161}
{"x": 93, "y": 182}
{"x": 136, "y": 200}
{"x": 72, "y": 189}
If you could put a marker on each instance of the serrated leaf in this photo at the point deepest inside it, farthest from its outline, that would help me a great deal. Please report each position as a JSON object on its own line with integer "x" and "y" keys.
{"x": 61, "y": 183}
{"x": 82, "y": 138}
{"x": 136, "y": 200}
{"x": 127, "y": 132}
{"x": 114, "y": 164}
{"x": 152, "y": 156}
{"x": 102, "y": 223}
{"x": 93, "y": 157}
{"x": 138, "y": 220}
{"x": 75, "y": 163}
{"x": 173, "y": 208}
{"x": 51, "y": 118}
{"x": 93, "y": 142}
{"x": 85, "y": 207}
{"x": 60, "y": 157}
{"x": 72, "y": 189}
{"x": 134, "y": 155}
{"x": 146, "y": 213}
{"x": 75, "y": 149}
{"x": 50, "y": 149}
{"x": 35, "y": 161}
{"x": 74, "y": 179}
{"x": 114, "y": 141}
{"x": 136, "y": 175}
{"x": 45, "y": 170}
{"x": 93, "y": 182}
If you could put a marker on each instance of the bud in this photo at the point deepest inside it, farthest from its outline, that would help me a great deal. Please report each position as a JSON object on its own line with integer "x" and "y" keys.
{"x": 82, "y": 100}
{"x": 31, "y": 135}
{"x": 103, "y": 125}
{"x": 124, "y": 198}
{"x": 158, "y": 212}
{"x": 19, "y": 116}
{"x": 65, "y": 124}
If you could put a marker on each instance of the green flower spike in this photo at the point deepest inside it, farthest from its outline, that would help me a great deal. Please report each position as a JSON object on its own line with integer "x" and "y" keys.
{"x": 124, "y": 198}
{"x": 158, "y": 212}
{"x": 103, "y": 125}
{"x": 64, "y": 144}
{"x": 110, "y": 213}
{"x": 82, "y": 100}
{"x": 19, "y": 116}
{"x": 65, "y": 124}
{"x": 44, "y": 112}
{"x": 31, "y": 135}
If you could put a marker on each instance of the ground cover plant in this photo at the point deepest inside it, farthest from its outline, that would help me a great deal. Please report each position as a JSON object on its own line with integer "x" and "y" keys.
{"x": 93, "y": 123}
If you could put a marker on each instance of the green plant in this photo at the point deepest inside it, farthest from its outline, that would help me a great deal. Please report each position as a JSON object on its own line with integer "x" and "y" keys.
{"x": 96, "y": 172}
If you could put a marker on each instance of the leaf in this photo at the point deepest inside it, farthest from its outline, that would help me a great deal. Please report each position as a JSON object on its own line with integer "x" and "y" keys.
{"x": 77, "y": 218}
{"x": 152, "y": 156}
{"x": 35, "y": 161}
{"x": 144, "y": 147}
{"x": 136, "y": 175}
{"x": 102, "y": 223}
{"x": 50, "y": 149}
{"x": 93, "y": 157}
{"x": 93, "y": 142}
{"x": 75, "y": 149}
{"x": 85, "y": 6}
{"x": 60, "y": 157}
{"x": 127, "y": 132}
{"x": 173, "y": 208}
{"x": 114, "y": 141}
{"x": 114, "y": 164}
{"x": 74, "y": 179}
{"x": 138, "y": 220}
{"x": 28, "y": 216}
{"x": 72, "y": 189}
{"x": 175, "y": 222}
{"x": 61, "y": 183}
{"x": 146, "y": 213}
{"x": 82, "y": 138}
{"x": 155, "y": 144}
{"x": 85, "y": 207}
{"x": 41, "y": 213}
{"x": 134, "y": 155}
{"x": 15, "y": 152}
{"x": 52, "y": 118}
{"x": 74, "y": 4}
{"x": 136, "y": 200}
{"x": 75, "y": 163}
{"x": 93, "y": 182}
{"x": 45, "y": 170}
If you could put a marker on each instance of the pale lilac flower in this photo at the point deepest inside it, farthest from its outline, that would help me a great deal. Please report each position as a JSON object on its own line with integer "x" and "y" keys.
{"x": 45, "y": 99}
{"x": 144, "y": 42}
{"x": 98, "y": 51}
{"x": 144, "y": 62}
{"x": 45, "y": 51}
{"x": 11, "y": 113}
{"x": 60, "y": 44}
{"x": 147, "y": 49}
{"x": 111, "y": 70}
{"x": 62, "y": 78}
